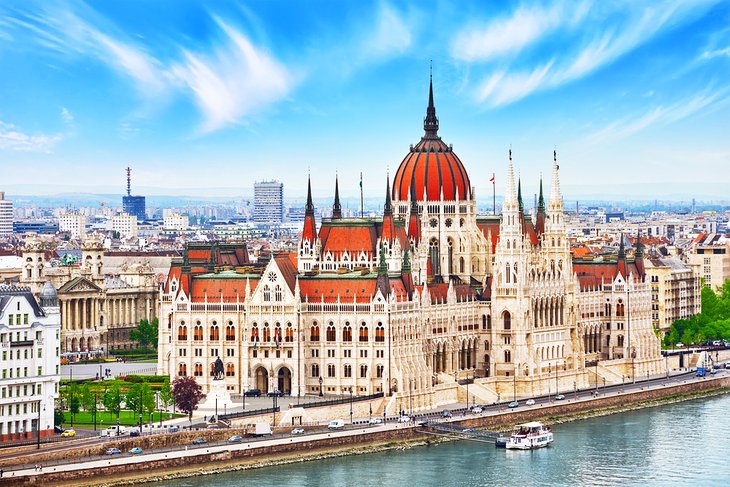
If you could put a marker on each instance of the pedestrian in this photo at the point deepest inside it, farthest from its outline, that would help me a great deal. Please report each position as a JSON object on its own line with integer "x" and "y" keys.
{"x": 1, "y": 473}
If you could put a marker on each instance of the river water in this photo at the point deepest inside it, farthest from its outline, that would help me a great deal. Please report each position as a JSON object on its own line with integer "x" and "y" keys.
{"x": 678, "y": 444}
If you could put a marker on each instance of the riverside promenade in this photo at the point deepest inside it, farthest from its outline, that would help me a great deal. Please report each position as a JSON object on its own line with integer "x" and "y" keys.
{"x": 209, "y": 455}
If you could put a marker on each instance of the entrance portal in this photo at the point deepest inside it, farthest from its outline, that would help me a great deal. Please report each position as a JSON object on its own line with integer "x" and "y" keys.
{"x": 262, "y": 380}
{"x": 284, "y": 380}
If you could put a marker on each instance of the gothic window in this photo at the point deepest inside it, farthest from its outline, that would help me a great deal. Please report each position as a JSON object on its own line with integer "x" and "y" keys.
{"x": 267, "y": 293}
{"x": 214, "y": 332}
{"x": 379, "y": 371}
{"x": 448, "y": 223}
{"x": 507, "y": 320}
{"x": 289, "y": 333}
{"x": 315, "y": 370}
{"x": 314, "y": 332}
{"x": 507, "y": 356}
{"x": 434, "y": 223}
{"x": 364, "y": 332}
{"x": 230, "y": 370}
{"x": 348, "y": 370}
{"x": 254, "y": 333}
{"x": 230, "y": 332}
{"x": 182, "y": 369}
{"x": 461, "y": 265}
{"x": 451, "y": 256}
{"x": 380, "y": 333}
{"x": 267, "y": 333}
{"x": 507, "y": 273}
{"x": 331, "y": 332}
{"x": 182, "y": 333}
{"x": 198, "y": 370}
{"x": 433, "y": 254}
{"x": 198, "y": 332}
{"x": 277, "y": 293}
{"x": 347, "y": 333}
{"x": 277, "y": 333}
{"x": 363, "y": 371}
{"x": 330, "y": 370}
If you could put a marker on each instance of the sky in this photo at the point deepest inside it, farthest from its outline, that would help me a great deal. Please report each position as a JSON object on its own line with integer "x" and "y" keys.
{"x": 208, "y": 97}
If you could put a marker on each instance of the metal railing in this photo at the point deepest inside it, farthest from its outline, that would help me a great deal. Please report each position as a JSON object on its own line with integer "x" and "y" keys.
{"x": 340, "y": 400}
{"x": 249, "y": 412}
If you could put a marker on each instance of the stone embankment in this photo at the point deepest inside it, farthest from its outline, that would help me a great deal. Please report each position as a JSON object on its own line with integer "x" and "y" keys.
{"x": 365, "y": 440}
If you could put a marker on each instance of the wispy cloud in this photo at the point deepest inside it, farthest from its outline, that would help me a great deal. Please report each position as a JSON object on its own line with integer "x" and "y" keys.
{"x": 716, "y": 53}
{"x": 659, "y": 115}
{"x": 234, "y": 80}
{"x": 591, "y": 37}
{"x": 66, "y": 115}
{"x": 391, "y": 37}
{"x": 12, "y": 139}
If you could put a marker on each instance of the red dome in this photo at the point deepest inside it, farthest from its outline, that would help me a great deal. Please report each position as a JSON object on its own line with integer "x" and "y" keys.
{"x": 432, "y": 167}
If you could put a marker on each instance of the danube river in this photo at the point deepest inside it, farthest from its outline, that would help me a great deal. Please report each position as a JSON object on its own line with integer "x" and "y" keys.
{"x": 679, "y": 444}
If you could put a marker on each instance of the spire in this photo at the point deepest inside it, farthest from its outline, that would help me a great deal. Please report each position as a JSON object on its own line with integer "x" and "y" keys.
{"x": 414, "y": 222}
{"x": 388, "y": 233}
{"x": 406, "y": 261}
{"x": 555, "y": 196}
{"x": 388, "y": 209}
{"x": 382, "y": 281}
{"x": 622, "y": 249}
{"x": 540, "y": 217}
{"x": 310, "y": 226}
{"x": 337, "y": 208}
{"x": 639, "y": 254}
{"x": 431, "y": 122}
{"x": 509, "y": 197}
{"x": 414, "y": 199}
{"x": 541, "y": 199}
{"x": 310, "y": 206}
{"x": 519, "y": 195}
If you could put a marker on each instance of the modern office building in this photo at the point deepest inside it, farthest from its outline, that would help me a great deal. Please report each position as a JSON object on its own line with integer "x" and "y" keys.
{"x": 6, "y": 215}
{"x": 133, "y": 205}
{"x": 268, "y": 202}
{"x": 73, "y": 223}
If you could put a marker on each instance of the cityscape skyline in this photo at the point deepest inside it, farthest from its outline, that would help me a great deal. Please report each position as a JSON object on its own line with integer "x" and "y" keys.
{"x": 632, "y": 88}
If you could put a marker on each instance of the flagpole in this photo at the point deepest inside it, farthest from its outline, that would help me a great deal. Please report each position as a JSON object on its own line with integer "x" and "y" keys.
{"x": 494, "y": 196}
{"x": 362, "y": 205}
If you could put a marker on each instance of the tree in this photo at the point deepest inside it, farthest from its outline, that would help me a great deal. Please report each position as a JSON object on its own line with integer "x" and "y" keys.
{"x": 86, "y": 396}
{"x": 165, "y": 395}
{"x": 140, "y": 398}
{"x": 58, "y": 417}
{"x": 187, "y": 394}
{"x": 146, "y": 333}
{"x": 74, "y": 399}
{"x": 112, "y": 398}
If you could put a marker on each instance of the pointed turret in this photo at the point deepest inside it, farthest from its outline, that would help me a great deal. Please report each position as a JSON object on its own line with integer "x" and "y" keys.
{"x": 540, "y": 217}
{"x": 382, "y": 280}
{"x": 310, "y": 226}
{"x": 639, "y": 256}
{"x": 511, "y": 220}
{"x": 519, "y": 196}
{"x": 336, "y": 207}
{"x": 388, "y": 233}
{"x": 622, "y": 268}
{"x": 405, "y": 273}
{"x": 414, "y": 221}
{"x": 555, "y": 196}
{"x": 554, "y": 221}
{"x": 431, "y": 122}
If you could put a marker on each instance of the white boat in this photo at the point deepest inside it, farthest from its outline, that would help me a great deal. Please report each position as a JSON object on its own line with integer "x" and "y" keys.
{"x": 529, "y": 436}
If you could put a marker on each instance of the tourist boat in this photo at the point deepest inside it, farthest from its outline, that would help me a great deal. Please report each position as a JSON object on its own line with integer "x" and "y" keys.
{"x": 528, "y": 436}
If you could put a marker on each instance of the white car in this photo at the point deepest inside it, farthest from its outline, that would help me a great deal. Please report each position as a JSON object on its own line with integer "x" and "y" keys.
{"x": 374, "y": 421}
{"x": 404, "y": 419}
{"x": 530, "y": 402}
{"x": 477, "y": 410}
{"x": 297, "y": 431}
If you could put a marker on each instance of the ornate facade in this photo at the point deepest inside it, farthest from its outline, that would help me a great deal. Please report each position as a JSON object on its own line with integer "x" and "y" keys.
{"x": 413, "y": 304}
{"x": 98, "y": 310}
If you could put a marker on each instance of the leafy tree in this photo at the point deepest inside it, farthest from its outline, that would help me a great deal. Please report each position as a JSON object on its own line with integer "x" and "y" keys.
{"x": 713, "y": 323}
{"x": 58, "y": 417}
{"x": 140, "y": 397}
{"x": 86, "y": 396}
{"x": 146, "y": 333}
{"x": 74, "y": 399}
{"x": 187, "y": 394}
{"x": 112, "y": 398}
{"x": 165, "y": 395}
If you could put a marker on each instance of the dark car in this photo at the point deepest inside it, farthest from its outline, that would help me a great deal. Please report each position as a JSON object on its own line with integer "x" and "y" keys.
{"x": 199, "y": 441}
{"x": 58, "y": 430}
{"x": 252, "y": 393}
{"x": 513, "y": 404}
{"x": 275, "y": 393}
{"x": 446, "y": 414}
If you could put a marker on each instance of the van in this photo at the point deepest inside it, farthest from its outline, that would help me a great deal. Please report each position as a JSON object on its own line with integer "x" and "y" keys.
{"x": 116, "y": 430}
{"x": 336, "y": 424}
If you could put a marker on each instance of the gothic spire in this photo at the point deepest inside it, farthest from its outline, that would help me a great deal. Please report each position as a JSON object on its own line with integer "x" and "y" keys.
{"x": 541, "y": 199}
{"x": 519, "y": 194}
{"x": 622, "y": 249}
{"x": 639, "y": 254}
{"x": 509, "y": 197}
{"x": 388, "y": 209}
{"x": 414, "y": 200}
{"x": 337, "y": 208}
{"x": 431, "y": 122}
{"x": 310, "y": 206}
{"x": 555, "y": 196}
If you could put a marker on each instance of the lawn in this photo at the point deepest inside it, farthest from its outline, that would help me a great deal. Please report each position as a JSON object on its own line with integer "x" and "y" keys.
{"x": 125, "y": 417}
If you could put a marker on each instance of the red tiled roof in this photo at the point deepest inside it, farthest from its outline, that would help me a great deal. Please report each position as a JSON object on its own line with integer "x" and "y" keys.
{"x": 232, "y": 289}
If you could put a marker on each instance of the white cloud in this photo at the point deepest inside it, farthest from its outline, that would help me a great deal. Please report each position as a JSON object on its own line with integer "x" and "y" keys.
{"x": 590, "y": 39}
{"x": 716, "y": 53}
{"x": 233, "y": 81}
{"x": 66, "y": 115}
{"x": 14, "y": 140}
{"x": 391, "y": 37}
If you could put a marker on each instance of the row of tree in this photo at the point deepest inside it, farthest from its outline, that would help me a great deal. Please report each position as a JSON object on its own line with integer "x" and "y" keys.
{"x": 713, "y": 323}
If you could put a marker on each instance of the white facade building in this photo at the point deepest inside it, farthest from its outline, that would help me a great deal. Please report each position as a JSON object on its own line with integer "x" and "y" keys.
{"x": 176, "y": 222}
{"x": 125, "y": 224}
{"x": 6, "y": 215}
{"x": 268, "y": 202}
{"x": 29, "y": 361}
{"x": 73, "y": 223}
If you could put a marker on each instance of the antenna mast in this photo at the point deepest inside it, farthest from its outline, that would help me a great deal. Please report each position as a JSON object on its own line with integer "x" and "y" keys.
{"x": 129, "y": 181}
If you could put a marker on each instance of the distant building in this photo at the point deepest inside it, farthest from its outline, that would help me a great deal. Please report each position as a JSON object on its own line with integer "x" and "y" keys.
{"x": 712, "y": 253}
{"x": 268, "y": 202}
{"x": 125, "y": 224}
{"x": 21, "y": 227}
{"x": 73, "y": 223}
{"x": 133, "y": 205}
{"x": 6, "y": 215}
{"x": 30, "y": 361}
{"x": 675, "y": 291}
{"x": 176, "y": 222}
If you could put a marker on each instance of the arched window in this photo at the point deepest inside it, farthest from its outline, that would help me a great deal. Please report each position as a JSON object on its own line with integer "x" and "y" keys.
{"x": 364, "y": 332}
{"x": 315, "y": 370}
{"x": 314, "y": 332}
{"x": 330, "y": 370}
{"x": 289, "y": 333}
{"x": 230, "y": 370}
{"x": 620, "y": 310}
{"x": 347, "y": 332}
{"x": 277, "y": 293}
{"x": 484, "y": 322}
{"x": 348, "y": 370}
{"x": 267, "y": 333}
{"x": 182, "y": 333}
{"x": 433, "y": 254}
{"x": 212, "y": 369}
{"x": 198, "y": 332}
{"x": 267, "y": 293}
{"x": 379, "y": 333}
{"x": 277, "y": 334}
{"x": 198, "y": 370}
{"x": 451, "y": 256}
{"x": 331, "y": 334}
{"x": 182, "y": 369}
{"x": 379, "y": 371}
{"x": 363, "y": 371}
{"x": 461, "y": 265}
{"x": 214, "y": 332}
{"x": 230, "y": 332}
{"x": 507, "y": 319}
{"x": 255, "y": 333}
{"x": 507, "y": 274}
{"x": 507, "y": 356}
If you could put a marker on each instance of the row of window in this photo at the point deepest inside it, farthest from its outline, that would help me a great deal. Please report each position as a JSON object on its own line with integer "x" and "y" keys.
{"x": 347, "y": 371}
{"x": 331, "y": 336}
{"x": 18, "y": 319}
{"x": 8, "y": 392}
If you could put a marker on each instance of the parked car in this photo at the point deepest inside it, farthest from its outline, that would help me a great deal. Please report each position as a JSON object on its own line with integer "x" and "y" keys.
{"x": 235, "y": 439}
{"x": 275, "y": 394}
{"x": 58, "y": 430}
{"x": 404, "y": 419}
{"x": 446, "y": 413}
{"x": 530, "y": 402}
{"x": 727, "y": 365}
{"x": 680, "y": 345}
{"x": 336, "y": 424}
{"x": 252, "y": 393}
{"x": 113, "y": 451}
{"x": 513, "y": 404}
{"x": 136, "y": 449}
{"x": 717, "y": 343}
{"x": 559, "y": 397}
{"x": 375, "y": 421}
{"x": 69, "y": 433}
{"x": 199, "y": 441}
{"x": 173, "y": 429}
{"x": 297, "y": 431}
{"x": 134, "y": 432}
{"x": 477, "y": 410}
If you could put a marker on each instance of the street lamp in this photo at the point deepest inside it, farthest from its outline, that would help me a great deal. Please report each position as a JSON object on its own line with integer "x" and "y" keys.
{"x": 514, "y": 385}
{"x": 320, "y": 386}
{"x": 666, "y": 363}
{"x": 467, "y": 392}
{"x": 96, "y": 400}
{"x": 350, "y": 404}
{"x": 273, "y": 400}
{"x": 38, "y": 426}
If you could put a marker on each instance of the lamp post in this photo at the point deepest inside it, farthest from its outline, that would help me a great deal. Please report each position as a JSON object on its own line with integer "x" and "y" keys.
{"x": 140, "y": 410}
{"x": 96, "y": 400}
{"x": 274, "y": 398}
{"x": 216, "y": 409}
{"x": 550, "y": 393}
{"x": 38, "y": 426}
{"x": 350, "y": 404}
{"x": 666, "y": 364}
{"x": 633, "y": 371}
{"x": 514, "y": 385}
{"x": 320, "y": 386}
{"x": 410, "y": 395}
{"x": 575, "y": 390}
{"x": 597, "y": 375}
{"x": 370, "y": 412}
{"x": 467, "y": 392}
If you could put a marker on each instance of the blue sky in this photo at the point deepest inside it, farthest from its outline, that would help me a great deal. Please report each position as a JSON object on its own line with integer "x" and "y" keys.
{"x": 208, "y": 97}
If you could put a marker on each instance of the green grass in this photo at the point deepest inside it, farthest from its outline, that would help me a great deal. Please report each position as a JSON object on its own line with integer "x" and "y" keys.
{"x": 125, "y": 417}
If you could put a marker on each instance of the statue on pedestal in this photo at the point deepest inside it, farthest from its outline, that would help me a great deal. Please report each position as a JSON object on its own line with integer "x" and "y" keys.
{"x": 218, "y": 373}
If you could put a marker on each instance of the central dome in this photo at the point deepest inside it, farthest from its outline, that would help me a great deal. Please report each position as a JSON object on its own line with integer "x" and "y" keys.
{"x": 431, "y": 167}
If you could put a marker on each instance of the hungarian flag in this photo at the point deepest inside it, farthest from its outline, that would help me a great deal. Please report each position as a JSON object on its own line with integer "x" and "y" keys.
{"x": 492, "y": 180}
{"x": 277, "y": 339}
{"x": 255, "y": 339}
